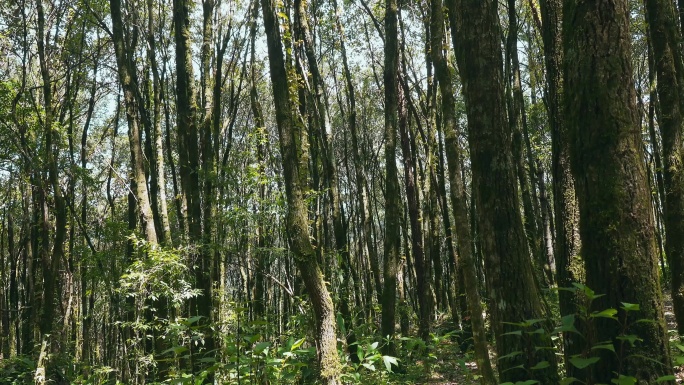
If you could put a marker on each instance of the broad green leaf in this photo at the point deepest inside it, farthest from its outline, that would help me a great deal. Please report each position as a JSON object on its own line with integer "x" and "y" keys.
{"x": 541, "y": 365}
{"x": 389, "y": 361}
{"x": 261, "y": 346}
{"x": 665, "y": 378}
{"x": 630, "y": 306}
{"x": 567, "y": 324}
{"x": 631, "y": 338}
{"x": 568, "y": 381}
{"x": 582, "y": 363}
{"x": 608, "y": 313}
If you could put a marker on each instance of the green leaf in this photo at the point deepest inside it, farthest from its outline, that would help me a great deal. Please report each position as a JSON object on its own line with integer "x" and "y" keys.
{"x": 175, "y": 349}
{"x": 665, "y": 378}
{"x": 513, "y": 333}
{"x": 608, "y": 313}
{"x": 631, "y": 338}
{"x": 511, "y": 355}
{"x": 521, "y": 366}
{"x": 531, "y": 322}
{"x": 297, "y": 344}
{"x": 605, "y": 345}
{"x": 568, "y": 381}
{"x": 582, "y": 363}
{"x": 567, "y": 324}
{"x": 541, "y": 365}
{"x": 630, "y": 306}
{"x": 389, "y": 361}
{"x": 261, "y": 346}
{"x": 624, "y": 380}
{"x": 587, "y": 291}
{"x": 528, "y": 382}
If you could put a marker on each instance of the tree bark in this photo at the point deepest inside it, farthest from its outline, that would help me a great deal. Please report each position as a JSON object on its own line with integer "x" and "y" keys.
{"x": 392, "y": 240}
{"x": 293, "y": 143}
{"x": 458, "y": 198}
{"x": 665, "y": 40}
{"x": 616, "y": 223}
{"x": 569, "y": 267}
{"x": 514, "y": 295}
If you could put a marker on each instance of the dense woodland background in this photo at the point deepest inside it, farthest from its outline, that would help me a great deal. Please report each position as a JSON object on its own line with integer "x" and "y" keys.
{"x": 343, "y": 191}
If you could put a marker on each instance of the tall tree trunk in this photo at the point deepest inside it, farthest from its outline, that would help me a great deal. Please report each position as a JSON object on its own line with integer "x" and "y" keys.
{"x": 667, "y": 54}
{"x": 158, "y": 155}
{"x": 293, "y": 143}
{"x": 392, "y": 241}
{"x": 616, "y": 223}
{"x": 415, "y": 221}
{"x": 569, "y": 267}
{"x": 458, "y": 197}
{"x": 189, "y": 159}
{"x": 514, "y": 295}
{"x": 51, "y": 259}
{"x": 127, "y": 77}
{"x": 330, "y": 171}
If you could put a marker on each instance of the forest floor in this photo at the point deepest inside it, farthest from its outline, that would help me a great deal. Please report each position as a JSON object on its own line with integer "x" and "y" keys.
{"x": 672, "y": 333}
{"x": 450, "y": 366}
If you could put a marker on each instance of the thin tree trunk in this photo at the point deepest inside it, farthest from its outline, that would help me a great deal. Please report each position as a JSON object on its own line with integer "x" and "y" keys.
{"x": 569, "y": 267}
{"x": 415, "y": 221}
{"x": 392, "y": 240}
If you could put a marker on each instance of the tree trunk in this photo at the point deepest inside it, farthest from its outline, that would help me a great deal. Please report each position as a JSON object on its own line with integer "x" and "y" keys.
{"x": 616, "y": 223}
{"x": 514, "y": 295}
{"x": 667, "y": 54}
{"x": 293, "y": 143}
{"x": 392, "y": 242}
{"x": 569, "y": 268}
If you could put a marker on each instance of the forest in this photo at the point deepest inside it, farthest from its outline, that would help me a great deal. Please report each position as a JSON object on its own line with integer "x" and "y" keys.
{"x": 341, "y": 192}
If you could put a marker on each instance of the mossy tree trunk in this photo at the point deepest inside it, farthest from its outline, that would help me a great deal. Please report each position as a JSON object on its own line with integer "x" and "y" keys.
{"x": 514, "y": 295}
{"x": 569, "y": 267}
{"x": 293, "y": 144}
{"x": 665, "y": 40}
{"x": 616, "y": 222}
